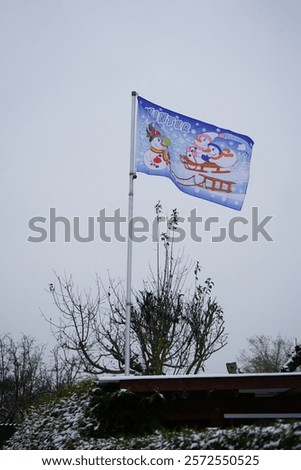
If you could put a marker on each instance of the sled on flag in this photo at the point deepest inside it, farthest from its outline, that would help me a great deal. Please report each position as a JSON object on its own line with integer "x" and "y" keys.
{"x": 201, "y": 159}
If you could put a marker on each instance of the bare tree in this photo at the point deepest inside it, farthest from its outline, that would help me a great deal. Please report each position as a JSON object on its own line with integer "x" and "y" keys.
{"x": 65, "y": 369}
{"x": 265, "y": 354}
{"x": 27, "y": 374}
{"x": 23, "y": 376}
{"x": 173, "y": 329}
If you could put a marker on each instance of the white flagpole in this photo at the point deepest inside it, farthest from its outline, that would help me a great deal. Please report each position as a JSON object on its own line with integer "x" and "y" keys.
{"x": 132, "y": 176}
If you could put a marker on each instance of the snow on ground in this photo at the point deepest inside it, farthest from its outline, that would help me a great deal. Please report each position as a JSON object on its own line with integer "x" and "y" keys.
{"x": 66, "y": 424}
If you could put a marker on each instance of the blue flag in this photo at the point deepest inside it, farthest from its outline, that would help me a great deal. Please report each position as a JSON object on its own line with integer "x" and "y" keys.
{"x": 201, "y": 159}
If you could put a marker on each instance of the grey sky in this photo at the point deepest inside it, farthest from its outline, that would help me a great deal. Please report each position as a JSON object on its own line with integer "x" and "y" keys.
{"x": 67, "y": 72}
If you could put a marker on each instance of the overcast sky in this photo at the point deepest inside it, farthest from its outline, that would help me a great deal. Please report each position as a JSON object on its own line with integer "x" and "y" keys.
{"x": 67, "y": 71}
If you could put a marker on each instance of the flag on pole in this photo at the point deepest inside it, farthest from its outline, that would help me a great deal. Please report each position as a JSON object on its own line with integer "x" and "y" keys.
{"x": 201, "y": 159}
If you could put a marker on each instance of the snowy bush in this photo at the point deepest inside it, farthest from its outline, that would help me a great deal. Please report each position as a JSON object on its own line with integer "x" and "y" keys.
{"x": 70, "y": 422}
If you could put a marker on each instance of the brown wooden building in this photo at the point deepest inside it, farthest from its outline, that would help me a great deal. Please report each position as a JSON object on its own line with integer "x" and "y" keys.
{"x": 223, "y": 400}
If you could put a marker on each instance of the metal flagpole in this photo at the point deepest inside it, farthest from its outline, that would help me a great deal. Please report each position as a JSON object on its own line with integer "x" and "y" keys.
{"x": 132, "y": 176}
